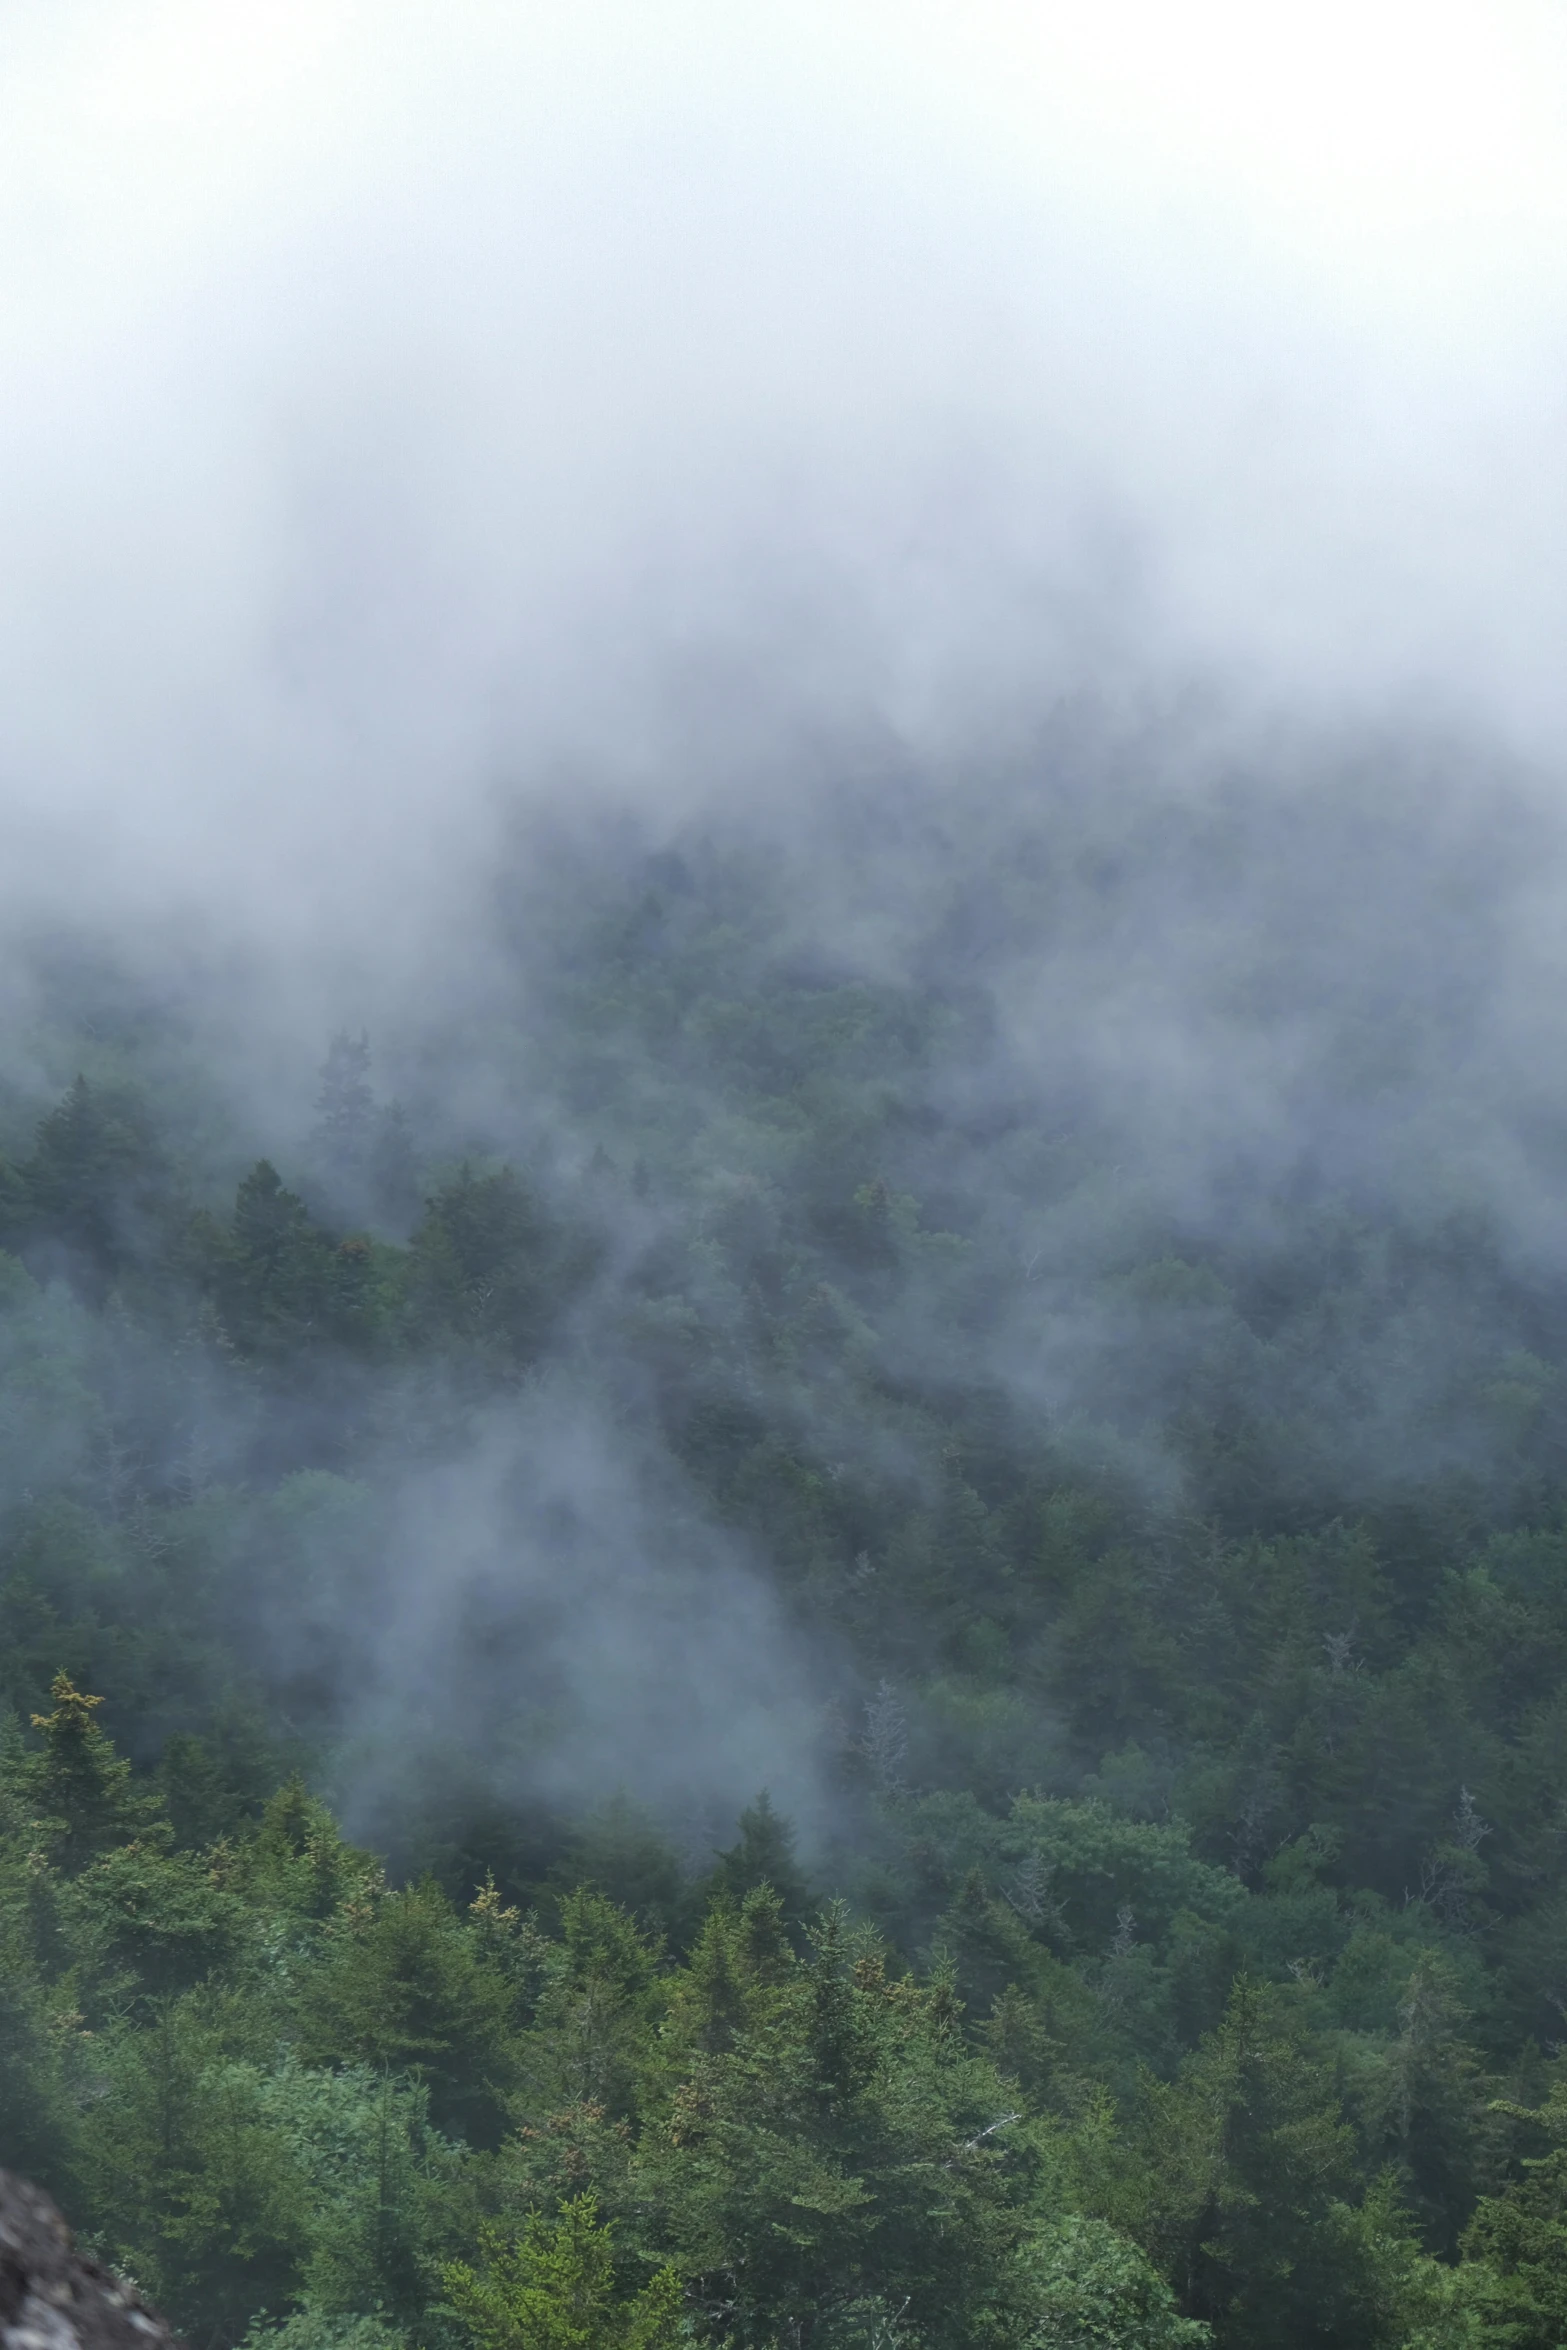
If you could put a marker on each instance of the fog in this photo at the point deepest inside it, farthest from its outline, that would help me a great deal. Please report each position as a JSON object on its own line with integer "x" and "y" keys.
{"x": 442, "y": 449}
{"x": 394, "y": 407}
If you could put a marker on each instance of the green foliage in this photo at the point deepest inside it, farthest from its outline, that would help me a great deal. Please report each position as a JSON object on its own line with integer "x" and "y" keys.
{"x": 1177, "y": 1959}
{"x": 285, "y": 1288}
{"x": 555, "y": 2289}
{"x": 400, "y": 1985}
{"x": 1517, "y": 2241}
{"x": 318, "y": 2329}
{"x": 185, "y": 2177}
{"x": 375, "y": 2173}
{"x": 1086, "y": 2288}
{"x": 826, "y": 2135}
{"x": 78, "y": 1788}
{"x": 96, "y": 1191}
{"x": 152, "y": 1920}
{"x": 764, "y": 1855}
{"x": 1250, "y": 2170}
{"x": 37, "y": 2013}
{"x": 596, "y": 1995}
{"x": 490, "y": 1268}
{"x": 271, "y": 2083}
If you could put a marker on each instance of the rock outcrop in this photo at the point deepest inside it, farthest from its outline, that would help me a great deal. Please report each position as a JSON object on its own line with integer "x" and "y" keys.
{"x": 52, "y": 2297}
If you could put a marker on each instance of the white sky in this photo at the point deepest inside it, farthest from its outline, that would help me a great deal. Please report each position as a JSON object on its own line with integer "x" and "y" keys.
{"x": 391, "y": 393}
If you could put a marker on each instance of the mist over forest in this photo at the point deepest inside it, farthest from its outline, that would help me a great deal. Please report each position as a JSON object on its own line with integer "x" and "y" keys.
{"x": 783, "y": 1116}
{"x": 617, "y": 1357}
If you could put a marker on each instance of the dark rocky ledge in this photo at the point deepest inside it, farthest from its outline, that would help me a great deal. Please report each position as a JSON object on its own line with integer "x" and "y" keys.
{"x": 51, "y": 2297}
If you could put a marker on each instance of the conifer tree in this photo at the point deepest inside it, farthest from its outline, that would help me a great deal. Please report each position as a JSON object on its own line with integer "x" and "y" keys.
{"x": 555, "y": 2288}
{"x": 80, "y": 1789}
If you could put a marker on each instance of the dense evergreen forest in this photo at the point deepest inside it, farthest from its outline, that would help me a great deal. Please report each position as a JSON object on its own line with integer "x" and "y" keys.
{"x": 776, "y": 1634}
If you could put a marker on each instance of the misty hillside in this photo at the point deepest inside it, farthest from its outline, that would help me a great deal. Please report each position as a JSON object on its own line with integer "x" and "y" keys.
{"x": 783, "y": 1140}
{"x": 796, "y": 1398}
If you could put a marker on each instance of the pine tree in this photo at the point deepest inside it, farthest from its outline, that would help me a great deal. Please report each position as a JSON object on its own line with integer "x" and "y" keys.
{"x": 764, "y": 1854}
{"x": 79, "y": 1788}
{"x": 1515, "y": 2248}
{"x": 276, "y": 1287}
{"x": 98, "y": 1189}
{"x": 556, "y": 2289}
{"x": 1250, "y": 2172}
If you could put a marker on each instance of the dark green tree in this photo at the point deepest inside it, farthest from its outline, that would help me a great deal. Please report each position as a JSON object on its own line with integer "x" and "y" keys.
{"x": 79, "y": 1790}
{"x": 764, "y": 1854}
{"x": 98, "y": 1189}
{"x": 1515, "y": 2247}
{"x": 401, "y": 1985}
{"x": 1249, "y": 2185}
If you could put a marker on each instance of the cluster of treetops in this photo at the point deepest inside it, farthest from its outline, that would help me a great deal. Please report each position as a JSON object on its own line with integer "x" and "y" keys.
{"x": 1189, "y": 1960}
{"x": 1100, "y": 2108}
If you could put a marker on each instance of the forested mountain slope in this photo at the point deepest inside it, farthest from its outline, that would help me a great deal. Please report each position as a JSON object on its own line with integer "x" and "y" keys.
{"x": 952, "y": 1629}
